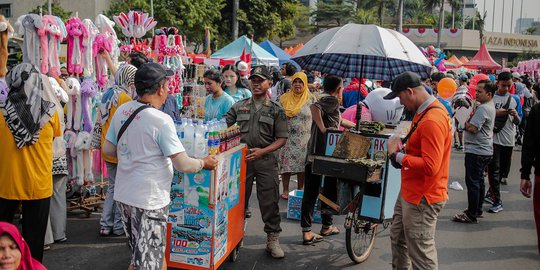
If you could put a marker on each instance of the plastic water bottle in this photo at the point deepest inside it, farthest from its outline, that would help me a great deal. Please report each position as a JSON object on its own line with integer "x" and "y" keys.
{"x": 189, "y": 137}
{"x": 206, "y": 138}
{"x": 200, "y": 141}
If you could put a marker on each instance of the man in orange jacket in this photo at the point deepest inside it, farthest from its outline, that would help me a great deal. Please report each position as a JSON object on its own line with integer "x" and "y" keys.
{"x": 424, "y": 176}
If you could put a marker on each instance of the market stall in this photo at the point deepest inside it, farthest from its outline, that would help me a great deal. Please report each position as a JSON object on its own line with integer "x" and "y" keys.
{"x": 206, "y": 218}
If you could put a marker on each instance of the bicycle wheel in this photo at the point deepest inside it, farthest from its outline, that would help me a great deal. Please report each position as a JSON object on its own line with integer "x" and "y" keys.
{"x": 360, "y": 238}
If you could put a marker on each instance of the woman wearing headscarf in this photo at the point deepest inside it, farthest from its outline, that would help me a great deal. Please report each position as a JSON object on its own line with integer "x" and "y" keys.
{"x": 14, "y": 252}
{"x": 121, "y": 92}
{"x": 293, "y": 155}
{"x": 28, "y": 124}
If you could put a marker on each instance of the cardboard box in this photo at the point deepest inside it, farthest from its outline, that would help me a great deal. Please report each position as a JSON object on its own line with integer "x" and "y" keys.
{"x": 294, "y": 206}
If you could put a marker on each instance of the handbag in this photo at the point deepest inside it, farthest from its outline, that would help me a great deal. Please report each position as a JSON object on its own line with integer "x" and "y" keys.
{"x": 500, "y": 121}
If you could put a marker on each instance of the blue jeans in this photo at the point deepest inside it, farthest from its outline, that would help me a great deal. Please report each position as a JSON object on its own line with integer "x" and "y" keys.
{"x": 111, "y": 217}
{"x": 475, "y": 166}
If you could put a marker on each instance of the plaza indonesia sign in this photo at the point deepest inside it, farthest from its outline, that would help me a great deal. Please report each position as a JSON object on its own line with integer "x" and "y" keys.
{"x": 511, "y": 42}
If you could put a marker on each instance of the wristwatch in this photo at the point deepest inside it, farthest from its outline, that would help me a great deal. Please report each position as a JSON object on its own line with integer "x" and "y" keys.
{"x": 393, "y": 160}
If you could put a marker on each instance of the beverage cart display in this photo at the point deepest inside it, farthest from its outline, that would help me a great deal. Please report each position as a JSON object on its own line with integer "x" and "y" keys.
{"x": 206, "y": 216}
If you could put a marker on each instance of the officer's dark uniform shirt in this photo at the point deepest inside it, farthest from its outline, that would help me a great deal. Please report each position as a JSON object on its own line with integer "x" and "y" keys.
{"x": 261, "y": 127}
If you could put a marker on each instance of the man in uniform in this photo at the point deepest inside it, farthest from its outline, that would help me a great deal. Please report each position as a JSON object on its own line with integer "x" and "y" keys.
{"x": 263, "y": 125}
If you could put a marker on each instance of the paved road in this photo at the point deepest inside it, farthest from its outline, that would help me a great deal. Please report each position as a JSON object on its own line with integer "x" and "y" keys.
{"x": 506, "y": 240}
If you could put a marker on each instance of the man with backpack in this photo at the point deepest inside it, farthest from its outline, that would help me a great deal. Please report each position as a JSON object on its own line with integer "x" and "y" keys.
{"x": 508, "y": 114}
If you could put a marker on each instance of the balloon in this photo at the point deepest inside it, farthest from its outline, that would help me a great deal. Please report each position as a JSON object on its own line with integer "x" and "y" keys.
{"x": 446, "y": 87}
{"x": 382, "y": 110}
{"x": 477, "y": 78}
{"x": 474, "y": 82}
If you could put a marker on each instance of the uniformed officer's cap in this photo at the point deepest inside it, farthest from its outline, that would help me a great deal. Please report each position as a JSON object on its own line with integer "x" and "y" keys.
{"x": 262, "y": 72}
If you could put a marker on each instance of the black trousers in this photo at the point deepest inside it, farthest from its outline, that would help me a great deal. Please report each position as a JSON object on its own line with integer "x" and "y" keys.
{"x": 35, "y": 214}
{"x": 475, "y": 166}
{"x": 311, "y": 192}
{"x": 498, "y": 168}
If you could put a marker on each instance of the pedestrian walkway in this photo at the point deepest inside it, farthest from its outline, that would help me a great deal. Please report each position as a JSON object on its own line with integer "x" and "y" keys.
{"x": 505, "y": 240}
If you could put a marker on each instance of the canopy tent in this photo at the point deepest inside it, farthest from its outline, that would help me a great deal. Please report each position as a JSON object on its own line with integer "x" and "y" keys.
{"x": 482, "y": 60}
{"x": 464, "y": 59}
{"x": 278, "y": 52}
{"x": 234, "y": 50}
{"x": 453, "y": 61}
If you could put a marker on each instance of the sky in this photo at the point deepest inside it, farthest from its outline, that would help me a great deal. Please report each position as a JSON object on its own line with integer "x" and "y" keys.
{"x": 504, "y": 23}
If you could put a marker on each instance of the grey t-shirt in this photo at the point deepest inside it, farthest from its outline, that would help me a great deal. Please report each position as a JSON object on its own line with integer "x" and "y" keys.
{"x": 507, "y": 135}
{"x": 481, "y": 143}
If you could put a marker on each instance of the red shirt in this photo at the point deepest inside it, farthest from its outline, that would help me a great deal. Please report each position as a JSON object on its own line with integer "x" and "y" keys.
{"x": 426, "y": 164}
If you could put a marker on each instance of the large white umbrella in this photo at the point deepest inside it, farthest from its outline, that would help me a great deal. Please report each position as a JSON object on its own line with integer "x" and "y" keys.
{"x": 362, "y": 51}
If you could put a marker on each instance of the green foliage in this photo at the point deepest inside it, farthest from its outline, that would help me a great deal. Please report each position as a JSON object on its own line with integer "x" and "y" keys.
{"x": 333, "y": 13}
{"x": 191, "y": 17}
{"x": 56, "y": 9}
{"x": 365, "y": 16}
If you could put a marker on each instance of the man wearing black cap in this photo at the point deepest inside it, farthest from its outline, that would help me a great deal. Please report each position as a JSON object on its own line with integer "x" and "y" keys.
{"x": 263, "y": 125}
{"x": 145, "y": 142}
{"x": 426, "y": 162}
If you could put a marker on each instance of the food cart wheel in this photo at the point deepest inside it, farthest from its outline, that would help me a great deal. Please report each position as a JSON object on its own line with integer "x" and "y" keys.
{"x": 360, "y": 238}
{"x": 234, "y": 254}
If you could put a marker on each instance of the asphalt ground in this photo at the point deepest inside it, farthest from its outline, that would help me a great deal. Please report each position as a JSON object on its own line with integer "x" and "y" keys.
{"x": 506, "y": 240}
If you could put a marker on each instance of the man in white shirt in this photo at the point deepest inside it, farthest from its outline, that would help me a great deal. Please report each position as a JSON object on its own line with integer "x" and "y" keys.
{"x": 147, "y": 147}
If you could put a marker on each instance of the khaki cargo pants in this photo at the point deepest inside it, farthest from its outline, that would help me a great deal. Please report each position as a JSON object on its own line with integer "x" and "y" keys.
{"x": 413, "y": 234}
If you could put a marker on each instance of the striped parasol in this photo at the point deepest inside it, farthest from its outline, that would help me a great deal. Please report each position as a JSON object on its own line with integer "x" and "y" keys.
{"x": 362, "y": 51}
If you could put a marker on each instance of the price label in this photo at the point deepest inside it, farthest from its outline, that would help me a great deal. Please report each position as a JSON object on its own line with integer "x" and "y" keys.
{"x": 331, "y": 142}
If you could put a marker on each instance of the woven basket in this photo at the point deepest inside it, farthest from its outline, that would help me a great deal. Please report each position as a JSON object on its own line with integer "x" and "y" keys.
{"x": 352, "y": 146}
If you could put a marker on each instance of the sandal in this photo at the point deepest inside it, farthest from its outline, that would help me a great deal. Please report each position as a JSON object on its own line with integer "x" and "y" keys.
{"x": 315, "y": 239}
{"x": 332, "y": 230}
{"x": 463, "y": 218}
{"x": 285, "y": 197}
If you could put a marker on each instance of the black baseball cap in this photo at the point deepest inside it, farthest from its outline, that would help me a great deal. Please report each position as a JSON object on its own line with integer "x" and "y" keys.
{"x": 262, "y": 72}
{"x": 402, "y": 82}
{"x": 150, "y": 74}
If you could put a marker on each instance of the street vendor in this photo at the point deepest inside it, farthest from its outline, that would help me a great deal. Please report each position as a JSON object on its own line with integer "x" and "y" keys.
{"x": 263, "y": 125}
{"x": 325, "y": 114}
{"x": 424, "y": 177}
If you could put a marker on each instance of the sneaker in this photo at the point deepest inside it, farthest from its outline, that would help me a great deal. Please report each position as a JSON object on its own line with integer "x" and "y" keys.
{"x": 488, "y": 199}
{"x": 248, "y": 213}
{"x": 272, "y": 246}
{"x": 504, "y": 181}
{"x": 460, "y": 148}
{"x": 62, "y": 240}
{"x": 496, "y": 208}
{"x": 46, "y": 247}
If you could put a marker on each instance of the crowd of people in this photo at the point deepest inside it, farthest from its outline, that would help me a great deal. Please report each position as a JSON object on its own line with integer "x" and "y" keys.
{"x": 283, "y": 116}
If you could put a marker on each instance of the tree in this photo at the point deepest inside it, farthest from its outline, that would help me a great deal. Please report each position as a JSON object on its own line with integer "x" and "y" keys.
{"x": 530, "y": 31}
{"x": 332, "y": 13}
{"x": 365, "y": 16}
{"x": 399, "y": 16}
{"x": 455, "y": 5}
{"x": 56, "y": 9}
{"x": 196, "y": 15}
{"x": 481, "y": 22}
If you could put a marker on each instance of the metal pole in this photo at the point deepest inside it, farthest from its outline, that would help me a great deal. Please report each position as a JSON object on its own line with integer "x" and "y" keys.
{"x": 50, "y": 7}
{"x": 520, "y": 17}
{"x": 512, "y": 18}
{"x": 502, "y": 18}
{"x": 493, "y": 17}
{"x": 152, "y": 13}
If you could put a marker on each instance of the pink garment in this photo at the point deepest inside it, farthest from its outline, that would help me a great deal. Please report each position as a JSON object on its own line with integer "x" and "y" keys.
{"x": 350, "y": 114}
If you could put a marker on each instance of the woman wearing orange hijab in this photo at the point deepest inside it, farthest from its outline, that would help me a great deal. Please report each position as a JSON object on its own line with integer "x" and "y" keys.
{"x": 292, "y": 156}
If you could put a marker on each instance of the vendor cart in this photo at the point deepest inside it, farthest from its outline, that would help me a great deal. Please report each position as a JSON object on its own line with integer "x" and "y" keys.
{"x": 206, "y": 216}
{"x": 366, "y": 195}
